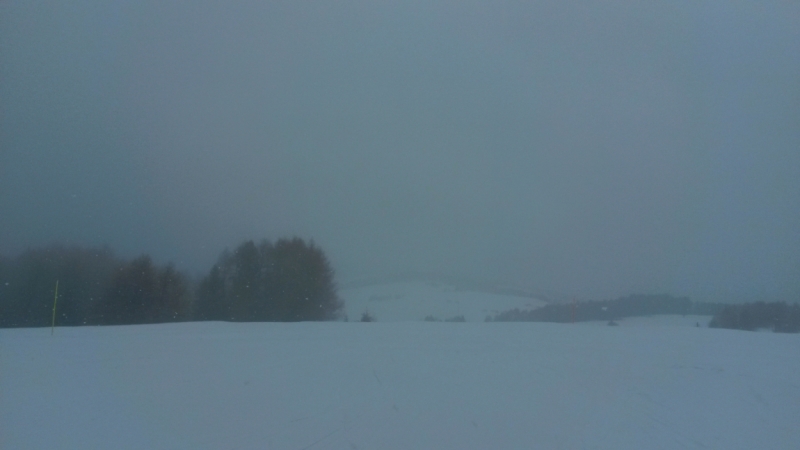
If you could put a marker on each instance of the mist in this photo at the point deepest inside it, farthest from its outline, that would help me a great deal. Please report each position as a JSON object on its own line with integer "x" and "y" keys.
{"x": 579, "y": 149}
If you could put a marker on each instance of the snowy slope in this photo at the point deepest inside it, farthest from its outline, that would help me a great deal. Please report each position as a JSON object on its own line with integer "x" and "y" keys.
{"x": 413, "y": 301}
{"x": 407, "y": 385}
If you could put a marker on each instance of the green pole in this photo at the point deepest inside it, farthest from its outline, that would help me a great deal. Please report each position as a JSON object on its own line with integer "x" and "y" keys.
{"x": 55, "y": 300}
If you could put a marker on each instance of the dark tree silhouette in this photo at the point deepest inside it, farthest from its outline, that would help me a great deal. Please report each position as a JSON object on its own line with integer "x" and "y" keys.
{"x": 211, "y": 304}
{"x": 288, "y": 281}
{"x": 142, "y": 293}
{"x": 775, "y": 316}
{"x": 27, "y": 285}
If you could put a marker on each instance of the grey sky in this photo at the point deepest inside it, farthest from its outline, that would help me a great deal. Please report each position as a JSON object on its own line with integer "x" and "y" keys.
{"x": 590, "y": 149}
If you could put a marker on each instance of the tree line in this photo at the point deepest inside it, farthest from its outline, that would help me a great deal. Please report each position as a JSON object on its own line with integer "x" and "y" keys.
{"x": 288, "y": 280}
{"x": 776, "y": 316}
{"x": 779, "y": 317}
{"x": 607, "y": 310}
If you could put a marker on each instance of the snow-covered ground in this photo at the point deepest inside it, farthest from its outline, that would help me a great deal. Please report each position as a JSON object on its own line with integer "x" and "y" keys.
{"x": 398, "y": 385}
{"x": 413, "y": 301}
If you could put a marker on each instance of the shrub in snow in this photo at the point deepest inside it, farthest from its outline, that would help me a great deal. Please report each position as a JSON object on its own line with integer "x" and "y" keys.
{"x": 456, "y": 319}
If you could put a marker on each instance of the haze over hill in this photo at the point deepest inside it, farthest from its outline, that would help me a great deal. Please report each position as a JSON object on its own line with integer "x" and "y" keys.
{"x": 593, "y": 151}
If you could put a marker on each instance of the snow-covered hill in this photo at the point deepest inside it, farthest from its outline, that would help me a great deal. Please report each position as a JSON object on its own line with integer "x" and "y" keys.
{"x": 415, "y": 300}
{"x": 411, "y": 385}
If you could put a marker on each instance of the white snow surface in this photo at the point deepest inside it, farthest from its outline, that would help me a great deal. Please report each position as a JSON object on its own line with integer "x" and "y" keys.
{"x": 413, "y": 301}
{"x": 398, "y": 385}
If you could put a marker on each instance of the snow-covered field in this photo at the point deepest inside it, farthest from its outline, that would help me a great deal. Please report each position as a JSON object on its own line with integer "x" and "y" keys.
{"x": 398, "y": 385}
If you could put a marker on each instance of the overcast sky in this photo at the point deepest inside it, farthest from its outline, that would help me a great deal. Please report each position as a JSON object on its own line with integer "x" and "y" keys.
{"x": 588, "y": 149}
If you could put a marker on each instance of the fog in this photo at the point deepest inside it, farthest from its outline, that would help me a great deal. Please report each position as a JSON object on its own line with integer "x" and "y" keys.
{"x": 575, "y": 148}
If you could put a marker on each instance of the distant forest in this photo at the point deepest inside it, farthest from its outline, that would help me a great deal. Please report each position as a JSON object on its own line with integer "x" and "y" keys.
{"x": 608, "y": 310}
{"x": 288, "y": 280}
{"x": 777, "y": 316}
